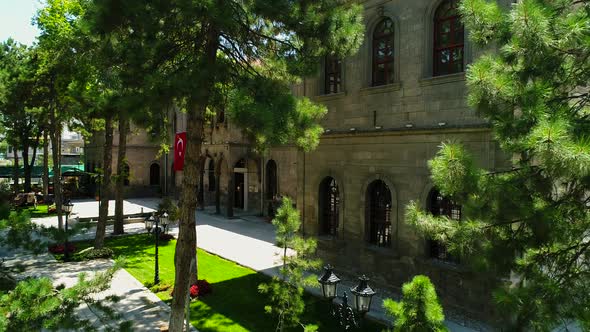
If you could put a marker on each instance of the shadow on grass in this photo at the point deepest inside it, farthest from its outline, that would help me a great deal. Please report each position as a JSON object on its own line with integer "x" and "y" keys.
{"x": 236, "y": 305}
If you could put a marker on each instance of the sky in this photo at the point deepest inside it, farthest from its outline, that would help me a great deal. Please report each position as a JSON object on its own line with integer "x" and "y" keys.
{"x": 15, "y": 20}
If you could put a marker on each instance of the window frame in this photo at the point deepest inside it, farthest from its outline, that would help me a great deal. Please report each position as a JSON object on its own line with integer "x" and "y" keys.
{"x": 389, "y": 61}
{"x": 332, "y": 75}
{"x": 444, "y": 207}
{"x": 452, "y": 45}
{"x": 379, "y": 233}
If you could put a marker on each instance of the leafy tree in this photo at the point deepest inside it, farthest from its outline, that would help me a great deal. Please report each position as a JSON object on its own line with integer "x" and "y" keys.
{"x": 20, "y": 120}
{"x": 419, "y": 311}
{"x": 188, "y": 53}
{"x": 57, "y": 52}
{"x": 530, "y": 221}
{"x": 286, "y": 291}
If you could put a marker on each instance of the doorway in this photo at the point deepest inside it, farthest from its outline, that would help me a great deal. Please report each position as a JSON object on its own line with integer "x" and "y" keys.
{"x": 241, "y": 185}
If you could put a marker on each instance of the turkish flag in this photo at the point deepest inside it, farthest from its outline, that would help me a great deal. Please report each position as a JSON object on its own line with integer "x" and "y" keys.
{"x": 179, "y": 149}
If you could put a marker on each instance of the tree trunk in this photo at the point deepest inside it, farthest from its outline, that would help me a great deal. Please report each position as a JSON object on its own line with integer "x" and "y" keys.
{"x": 186, "y": 244}
{"x": 16, "y": 171}
{"x": 105, "y": 190}
{"x": 26, "y": 168}
{"x": 121, "y": 172}
{"x": 35, "y": 147}
{"x": 55, "y": 134}
{"x": 45, "y": 165}
{"x": 218, "y": 187}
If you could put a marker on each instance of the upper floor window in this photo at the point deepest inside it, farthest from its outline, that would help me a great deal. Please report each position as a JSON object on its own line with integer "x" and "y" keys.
{"x": 383, "y": 52}
{"x": 333, "y": 82}
{"x": 448, "y": 39}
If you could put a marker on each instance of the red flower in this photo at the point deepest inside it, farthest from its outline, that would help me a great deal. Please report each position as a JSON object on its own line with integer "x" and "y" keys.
{"x": 60, "y": 248}
{"x": 194, "y": 291}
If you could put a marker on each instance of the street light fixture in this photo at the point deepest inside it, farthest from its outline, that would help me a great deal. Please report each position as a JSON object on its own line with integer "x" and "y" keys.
{"x": 329, "y": 282}
{"x": 67, "y": 208}
{"x": 164, "y": 221}
{"x": 363, "y": 294}
{"x": 150, "y": 222}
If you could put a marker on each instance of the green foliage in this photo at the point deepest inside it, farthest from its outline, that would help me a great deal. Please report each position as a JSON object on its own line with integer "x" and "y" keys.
{"x": 36, "y": 304}
{"x": 529, "y": 221}
{"x": 167, "y": 205}
{"x": 257, "y": 114}
{"x": 419, "y": 311}
{"x": 92, "y": 253}
{"x": 286, "y": 292}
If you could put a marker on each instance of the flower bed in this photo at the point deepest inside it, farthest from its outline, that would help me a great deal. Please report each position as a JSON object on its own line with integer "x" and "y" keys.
{"x": 60, "y": 248}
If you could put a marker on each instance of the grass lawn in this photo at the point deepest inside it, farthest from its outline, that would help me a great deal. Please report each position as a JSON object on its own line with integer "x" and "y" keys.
{"x": 39, "y": 212}
{"x": 234, "y": 304}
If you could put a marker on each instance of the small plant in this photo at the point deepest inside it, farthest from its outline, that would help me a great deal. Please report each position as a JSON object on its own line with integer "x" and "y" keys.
{"x": 286, "y": 290}
{"x": 419, "y": 311}
{"x": 165, "y": 237}
{"x": 168, "y": 206}
{"x": 200, "y": 289}
{"x": 91, "y": 253}
{"x": 60, "y": 248}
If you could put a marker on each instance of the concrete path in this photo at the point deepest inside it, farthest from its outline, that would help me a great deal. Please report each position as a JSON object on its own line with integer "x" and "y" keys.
{"x": 137, "y": 304}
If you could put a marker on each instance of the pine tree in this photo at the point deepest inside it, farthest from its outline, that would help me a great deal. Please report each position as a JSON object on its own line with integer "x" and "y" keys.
{"x": 531, "y": 221}
{"x": 419, "y": 311}
{"x": 286, "y": 291}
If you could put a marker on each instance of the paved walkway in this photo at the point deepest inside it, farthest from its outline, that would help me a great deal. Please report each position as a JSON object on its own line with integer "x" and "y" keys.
{"x": 137, "y": 303}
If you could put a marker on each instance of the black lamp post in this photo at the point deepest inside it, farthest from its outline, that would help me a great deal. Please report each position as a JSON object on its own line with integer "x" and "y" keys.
{"x": 150, "y": 222}
{"x": 67, "y": 208}
{"x": 363, "y": 295}
{"x": 329, "y": 282}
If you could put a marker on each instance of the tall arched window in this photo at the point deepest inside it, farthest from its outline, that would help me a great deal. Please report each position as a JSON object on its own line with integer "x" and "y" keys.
{"x": 271, "y": 179}
{"x": 448, "y": 39}
{"x": 329, "y": 202}
{"x": 383, "y": 37}
{"x": 154, "y": 174}
{"x": 333, "y": 73}
{"x": 379, "y": 213}
{"x": 211, "y": 175}
{"x": 126, "y": 171}
{"x": 439, "y": 205}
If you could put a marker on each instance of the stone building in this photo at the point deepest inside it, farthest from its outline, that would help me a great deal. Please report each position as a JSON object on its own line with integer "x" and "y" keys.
{"x": 389, "y": 108}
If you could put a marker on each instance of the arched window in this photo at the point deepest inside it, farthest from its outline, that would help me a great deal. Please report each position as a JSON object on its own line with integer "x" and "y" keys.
{"x": 448, "y": 39}
{"x": 329, "y": 202}
{"x": 211, "y": 175}
{"x": 383, "y": 52}
{"x": 154, "y": 174}
{"x": 379, "y": 214}
{"x": 439, "y": 205}
{"x": 126, "y": 171}
{"x": 271, "y": 179}
{"x": 333, "y": 75}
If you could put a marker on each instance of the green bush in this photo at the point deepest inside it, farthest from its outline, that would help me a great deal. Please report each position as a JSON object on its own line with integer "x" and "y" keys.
{"x": 419, "y": 311}
{"x": 91, "y": 253}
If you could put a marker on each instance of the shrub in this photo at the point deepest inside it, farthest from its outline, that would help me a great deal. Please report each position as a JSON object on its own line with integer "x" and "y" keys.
{"x": 92, "y": 253}
{"x": 165, "y": 237}
{"x": 161, "y": 287}
{"x": 60, "y": 248}
{"x": 419, "y": 310}
{"x": 200, "y": 289}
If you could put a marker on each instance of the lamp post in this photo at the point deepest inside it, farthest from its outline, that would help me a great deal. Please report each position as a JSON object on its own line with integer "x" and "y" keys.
{"x": 67, "y": 208}
{"x": 363, "y": 295}
{"x": 164, "y": 221}
{"x": 329, "y": 283}
{"x": 150, "y": 222}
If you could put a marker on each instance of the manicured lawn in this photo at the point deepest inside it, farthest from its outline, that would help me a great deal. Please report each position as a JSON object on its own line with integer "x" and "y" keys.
{"x": 39, "y": 212}
{"x": 234, "y": 304}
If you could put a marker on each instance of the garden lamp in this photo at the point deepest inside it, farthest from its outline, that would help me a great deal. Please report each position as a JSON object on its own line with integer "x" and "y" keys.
{"x": 363, "y": 294}
{"x": 329, "y": 282}
{"x": 149, "y": 223}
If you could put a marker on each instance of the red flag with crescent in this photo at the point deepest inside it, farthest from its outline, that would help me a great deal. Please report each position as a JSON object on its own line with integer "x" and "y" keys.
{"x": 179, "y": 149}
